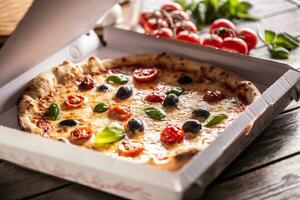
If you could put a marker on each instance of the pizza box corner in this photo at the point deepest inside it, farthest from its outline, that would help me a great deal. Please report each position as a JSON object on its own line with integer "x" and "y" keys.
{"x": 277, "y": 82}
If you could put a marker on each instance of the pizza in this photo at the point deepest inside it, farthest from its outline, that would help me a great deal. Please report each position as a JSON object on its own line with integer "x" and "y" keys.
{"x": 154, "y": 109}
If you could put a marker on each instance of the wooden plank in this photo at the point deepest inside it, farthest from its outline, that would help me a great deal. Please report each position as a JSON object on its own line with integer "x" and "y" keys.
{"x": 17, "y": 183}
{"x": 279, "y": 140}
{"x": 278, "y": 181}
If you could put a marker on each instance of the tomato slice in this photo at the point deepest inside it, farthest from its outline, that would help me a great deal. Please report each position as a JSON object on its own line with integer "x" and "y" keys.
{"x": 171, "y": 135}
{"x": 130, "y": 148}
{"x": 118, "y": 113}
{"x": 74, "y": 101}
{"x": 44, "y": 125}
{"x": 154, "y": 98}
{"x": 80, "y": 135}
{"x": 213, "y": 96}
{"x": 145, "y": 75}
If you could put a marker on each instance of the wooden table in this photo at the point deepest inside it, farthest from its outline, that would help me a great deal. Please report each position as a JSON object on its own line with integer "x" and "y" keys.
{"x": 268, "y": 169}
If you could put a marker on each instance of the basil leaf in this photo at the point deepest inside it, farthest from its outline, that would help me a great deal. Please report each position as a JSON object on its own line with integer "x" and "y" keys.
{"x": 286, "y": 42}
{"x": 117, "y": 79}
{"x": 110, "y": 134}
{"x": 53, "y": 111}
{"x": 184, "y": 4}
{"x": 156, "y": 113}
{"x": 243, "y": 7}
{"x": 279, "y": 53}
{"x": 215, "y": 119}
{"x": 269, "y": 36}
{"x": 177, "y": 91}
{"x": 101, "y": 107}
{"x": 296, "y": 40}
{"x": 198, "y": 13}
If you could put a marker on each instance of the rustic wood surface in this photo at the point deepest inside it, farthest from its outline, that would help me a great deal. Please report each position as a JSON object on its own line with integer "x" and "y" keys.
{"x": 268, "y": 169}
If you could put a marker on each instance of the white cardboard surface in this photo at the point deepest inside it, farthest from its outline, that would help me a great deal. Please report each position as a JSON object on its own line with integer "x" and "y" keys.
{"x": 128, "y": 179}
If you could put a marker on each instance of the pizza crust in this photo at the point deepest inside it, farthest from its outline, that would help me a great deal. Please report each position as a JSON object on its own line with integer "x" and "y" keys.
{"x": 43, "y": 83}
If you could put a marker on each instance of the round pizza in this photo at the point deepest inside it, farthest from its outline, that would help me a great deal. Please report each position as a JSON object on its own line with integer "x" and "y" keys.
{"x": 155, "y": 109}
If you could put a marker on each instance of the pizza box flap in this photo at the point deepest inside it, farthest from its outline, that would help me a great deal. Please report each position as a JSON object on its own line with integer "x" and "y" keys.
{"x": 47, "y": 27}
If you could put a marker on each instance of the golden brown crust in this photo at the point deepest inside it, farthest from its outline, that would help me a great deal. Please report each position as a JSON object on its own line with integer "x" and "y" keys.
{"x": 43, "y": 83}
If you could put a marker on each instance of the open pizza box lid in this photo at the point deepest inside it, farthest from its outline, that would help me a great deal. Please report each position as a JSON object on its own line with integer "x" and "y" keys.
{"x": 37, "y": 43}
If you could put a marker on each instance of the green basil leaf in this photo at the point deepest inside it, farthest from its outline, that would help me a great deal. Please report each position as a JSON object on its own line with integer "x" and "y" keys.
{"x": 243, "y": 7}
{"x": 53, "y": 111}
{"x": 198, "y": 13}
{"x": 296, "y": 40}
{"x": 185, "y": 5}
{"x": 176, "y": 90}
{"x": 117, "y": 79}
{"x": 282, "y": 40}
{"x": 156, "y": 113}
{"x": 215, "y": 119}
{"x": 279, "y": 53}
{"x": 270, "y": 36}
{"x": 211, "y": 10}
{"x": 110, "y": 134}
{"x": 245, "y": 16}
{"x": 101, "y": 107}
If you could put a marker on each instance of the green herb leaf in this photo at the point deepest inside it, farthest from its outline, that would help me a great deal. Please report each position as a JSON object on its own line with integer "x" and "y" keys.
{"x": 109, "y": 134}
{"x": 117, "y": 79}
{"x": 283, "y": 40}
{"x": 269, "y": 36}
{"x": 101, "y": 107}
{"x": 184, "y": 4}
{"x": 53, "y": 111}
{"x": 156, "y": 113}
{"x": 279, "y": 53}
{"x": 243, "y": 7}
{"x": 215, "y": 119}
{"x": 176, "y": 90}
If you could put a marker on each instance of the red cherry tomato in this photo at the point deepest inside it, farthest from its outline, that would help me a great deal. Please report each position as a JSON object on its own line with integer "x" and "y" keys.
{"x": 179, "y": 15}
{"x": 163, "y": 32}
{"x": 119, "y": 113}
{"x": 189, "y": 37}
{"x": 171, "y": 135}
{"x": 235, "y": 45}
{"x": 185, "y": 25}
{"x": 213, "y": 41}
{"x": 74, "y": 101}
{"x": 223, "y": 28}
{"x": 86, "y": 84}
{"x": 153, "y": 24}
{"x": 213, "y": 96}
{"x": 44, "y": 125}
{"x": 129, "y": 148}
{"x": 171, "y": 6}
{"x": 80, "y": 135}
{"x": 154, "y": 98}
{"x": 145, "y": 75}
{"x": 249, "y": 36}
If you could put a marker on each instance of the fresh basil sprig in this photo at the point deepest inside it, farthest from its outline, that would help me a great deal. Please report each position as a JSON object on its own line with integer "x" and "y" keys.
{"x": 156, "y": 113}
{"x": 109, "y": 134}
{"x": 117, "y": 79}
{"x": 215, "y": 119}
{"x": 206, "y": 11}
{"x": 280, "y": 44}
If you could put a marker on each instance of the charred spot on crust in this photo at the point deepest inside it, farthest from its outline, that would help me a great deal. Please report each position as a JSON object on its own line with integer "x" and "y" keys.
{"x": 211, "y": 68}
{"x": 124, "y": 59}
{"x": 185, "y": 156}
{"x": 160, "y": 55}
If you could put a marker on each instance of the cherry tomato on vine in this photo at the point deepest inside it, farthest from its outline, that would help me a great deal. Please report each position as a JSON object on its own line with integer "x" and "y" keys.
{"x": 189, "y": 37}
{"x": 163, "y": 32}
{"x": 171, "y": 6}
{"x": 249, "y": 36}
{"x": 145, "y": 75}
{"x": 223, "y": 28}
{"x": 185, "y": 25}
{"x": 214, "y": 41}
{"x": 153, "y": 24}
{"x": 129, "y": 148}
{"x": 171, "y": 135}
{"x": 179, "y": 15}
{"x": 235, "y": 45}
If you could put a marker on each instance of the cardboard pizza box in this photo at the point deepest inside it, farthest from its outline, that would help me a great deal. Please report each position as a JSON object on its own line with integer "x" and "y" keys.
{"x": 279, "y": 83}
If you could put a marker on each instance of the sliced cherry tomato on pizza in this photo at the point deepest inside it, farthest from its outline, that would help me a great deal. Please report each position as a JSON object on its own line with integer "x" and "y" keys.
{"x": 153, "y": 24}
{"x": 189, "y": 37}
{"x": 154, "y": 98}
{"x": 185, "y": 25}
{"x": 145, "y": 75}
{"x": 213, "y": 41}
{"x": 80, "y": 135}
{"x": 235, "y": 45}
{"x": 171, "y": 135}
{"x": 213, "y": 96}
{"x": 249, "y": 36}
{"x": 119, "y": 113}
{"x": 130, "y": 148}
{"x": 163, "y": 32}
{"x": 86, "y": 84}
{"x": 223, "y": 28}
{"x": 74, "y": 101}
{"x": 171, "y": 6}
